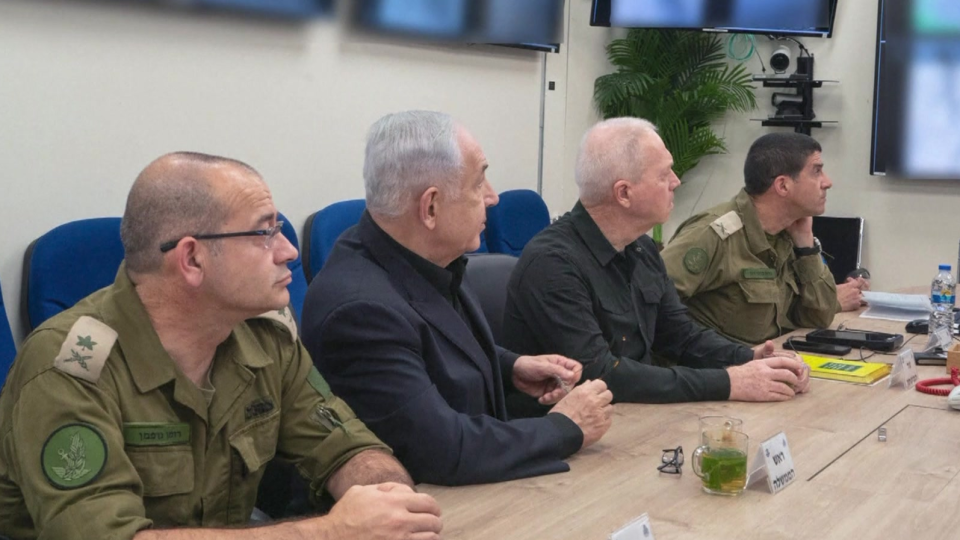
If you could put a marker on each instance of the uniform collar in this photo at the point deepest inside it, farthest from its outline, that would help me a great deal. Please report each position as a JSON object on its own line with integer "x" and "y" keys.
{"x": 592, "y": 236}
{"x": 756, "y": 237}
{"x": 149, "y": 363}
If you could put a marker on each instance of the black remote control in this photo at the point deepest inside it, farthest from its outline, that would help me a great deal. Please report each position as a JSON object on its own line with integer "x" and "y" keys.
{"x": 800, "y": 345}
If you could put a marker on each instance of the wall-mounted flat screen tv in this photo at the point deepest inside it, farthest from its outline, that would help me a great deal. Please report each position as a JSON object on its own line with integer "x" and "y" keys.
{"x": 916, "y": 104}
{"x": 772, "y": 17}
{"x": 531, "y": 24}
{"x": 275, "y": 9}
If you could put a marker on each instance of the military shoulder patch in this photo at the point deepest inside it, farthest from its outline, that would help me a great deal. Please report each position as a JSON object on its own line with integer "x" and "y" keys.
{"x": 86, "y": 349}
{"x": 696, "y": 260}
{"x": 73, "y": 456}
{"x": 285, "y": 317}
{"x": 319, "y": 384}
{"x": 727, "y": 224}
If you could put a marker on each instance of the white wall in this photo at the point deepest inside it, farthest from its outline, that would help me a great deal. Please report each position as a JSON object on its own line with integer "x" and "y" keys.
{"x": 91, "y": 92}
{"x": 911, "y": 226}
{"x": 569, "y": 109}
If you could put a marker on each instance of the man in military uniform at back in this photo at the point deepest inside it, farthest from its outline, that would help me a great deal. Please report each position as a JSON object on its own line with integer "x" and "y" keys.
{"x": 751, "y": 267}
{"x": 156, "y": 402}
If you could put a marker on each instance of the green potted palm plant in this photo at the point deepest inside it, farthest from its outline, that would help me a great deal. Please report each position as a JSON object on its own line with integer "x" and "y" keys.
{"x": 681, "y": 82}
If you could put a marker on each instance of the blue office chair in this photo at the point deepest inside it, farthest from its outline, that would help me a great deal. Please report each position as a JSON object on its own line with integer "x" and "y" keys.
{"x": 76, "y": 259}
{"x": 8, "y": 349}
{"x": 520, "y": 215}
{"x": 323, "y": 228}
{"x": 66, "y": 264}
{"x": 297, "y": 287}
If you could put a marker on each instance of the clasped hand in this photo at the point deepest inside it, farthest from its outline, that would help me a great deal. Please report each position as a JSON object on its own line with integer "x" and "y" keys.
{"x": 547, "y": 377}
{"x": 773, "y": 375}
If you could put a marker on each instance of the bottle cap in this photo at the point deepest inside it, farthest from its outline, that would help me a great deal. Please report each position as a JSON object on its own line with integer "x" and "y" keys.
{"x": 945, "y": 267}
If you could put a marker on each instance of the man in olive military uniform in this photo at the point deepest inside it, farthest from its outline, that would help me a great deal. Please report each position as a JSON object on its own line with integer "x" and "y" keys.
{"x": 153, "y": 405}
{"x": 751, "y": 267}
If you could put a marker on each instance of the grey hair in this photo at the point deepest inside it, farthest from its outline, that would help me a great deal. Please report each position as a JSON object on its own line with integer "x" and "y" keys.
{"x": 610, "y": 151}
{"x": 170, "y": 199}
{"x": 407, "y": 153}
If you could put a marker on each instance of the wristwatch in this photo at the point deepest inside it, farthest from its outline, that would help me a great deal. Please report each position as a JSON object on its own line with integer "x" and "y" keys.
{"x": 814, "y": 250}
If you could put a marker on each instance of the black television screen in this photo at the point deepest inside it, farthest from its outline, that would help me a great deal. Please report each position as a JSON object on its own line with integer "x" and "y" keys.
{"x": 532, "y": 24}
{"x": 917, "y": 90}
{"x": 776, "y": 17}
{"x": 275, "y": 9}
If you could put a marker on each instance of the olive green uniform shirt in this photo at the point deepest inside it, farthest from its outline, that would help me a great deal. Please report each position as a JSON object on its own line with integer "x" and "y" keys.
{"x": 747, "y": 285}
{"x": 101, "y": 435}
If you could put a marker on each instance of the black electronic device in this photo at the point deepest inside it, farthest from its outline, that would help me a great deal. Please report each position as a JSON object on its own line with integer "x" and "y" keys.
{"x": 795, "y": 109}
{"x": 530, "y": 24}
{"x": 936, "y": 357}
{"x": 918, "y": 326}
{"x": 841, "y": 239}
{"x": 274, "y": 9}
{"x": 769, "y": 17}
{"x": 859, "y": 273}
{"x": 914, "y": 104}
{"x": 800, "y": 345}
{"x": 875, "y": 341}
{"x": 922, "y": 326}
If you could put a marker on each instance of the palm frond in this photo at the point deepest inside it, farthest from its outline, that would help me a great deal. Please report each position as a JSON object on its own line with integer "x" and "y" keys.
{"x": 613, "y": 92}
{"x": 678, "y": 80}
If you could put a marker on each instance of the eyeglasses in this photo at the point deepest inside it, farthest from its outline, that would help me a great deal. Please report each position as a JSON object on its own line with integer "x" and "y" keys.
{"x": 672, "y": 461}
{"x": 267, "y": 234}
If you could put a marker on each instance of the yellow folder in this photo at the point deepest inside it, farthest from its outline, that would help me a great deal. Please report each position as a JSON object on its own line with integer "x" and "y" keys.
{"x": 852, "y": 371}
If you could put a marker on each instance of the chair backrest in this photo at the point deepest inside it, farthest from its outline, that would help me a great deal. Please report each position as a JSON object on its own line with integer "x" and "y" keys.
{"x": 66, "y": 264}
{"x": 487, "y": 276}
{"x": 323, "y": 228}
{"x": 297, "y": 287}
{"x": 50, "y": 284}
{"x": 520, "y": 215}
{"x": 8, "y": 348}
{"x": 842, "y": 240}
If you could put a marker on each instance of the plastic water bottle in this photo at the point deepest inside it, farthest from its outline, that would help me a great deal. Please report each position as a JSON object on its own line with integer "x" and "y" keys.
{"x": 942, "y": 295}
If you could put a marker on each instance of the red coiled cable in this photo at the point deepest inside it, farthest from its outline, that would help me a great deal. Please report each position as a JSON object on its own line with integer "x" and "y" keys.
{"x": 953, "y": 379}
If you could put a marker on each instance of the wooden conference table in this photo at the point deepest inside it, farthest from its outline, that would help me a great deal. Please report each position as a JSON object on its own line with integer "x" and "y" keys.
{"x": 849, "y": 484}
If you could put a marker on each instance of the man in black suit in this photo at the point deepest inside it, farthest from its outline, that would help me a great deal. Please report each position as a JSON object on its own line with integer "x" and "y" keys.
{"x": 397, "y": 336}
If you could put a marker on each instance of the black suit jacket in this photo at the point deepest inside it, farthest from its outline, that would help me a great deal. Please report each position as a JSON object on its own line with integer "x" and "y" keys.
{"x": 400, "y": 354}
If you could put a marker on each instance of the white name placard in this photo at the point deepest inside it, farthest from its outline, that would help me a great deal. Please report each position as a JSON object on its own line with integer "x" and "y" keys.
{"x": 939, "y": 339}
{"x": 638, "y": 529}
{"x": 904, "y": 371}
{"x": 774, "y": 463}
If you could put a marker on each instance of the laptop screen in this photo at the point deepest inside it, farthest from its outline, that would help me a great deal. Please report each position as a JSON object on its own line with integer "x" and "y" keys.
{"x": 842, "y": 240}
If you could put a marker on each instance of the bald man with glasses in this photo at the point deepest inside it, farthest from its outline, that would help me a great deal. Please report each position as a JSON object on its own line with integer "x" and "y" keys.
{"x": 150, "y": 409}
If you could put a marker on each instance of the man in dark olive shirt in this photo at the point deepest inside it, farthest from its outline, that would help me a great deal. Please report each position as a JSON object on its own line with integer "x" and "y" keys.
{"x": 593, "y": 287}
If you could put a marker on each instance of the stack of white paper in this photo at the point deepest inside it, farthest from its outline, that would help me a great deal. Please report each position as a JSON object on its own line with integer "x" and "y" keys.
{"x": 896, "y": 307}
